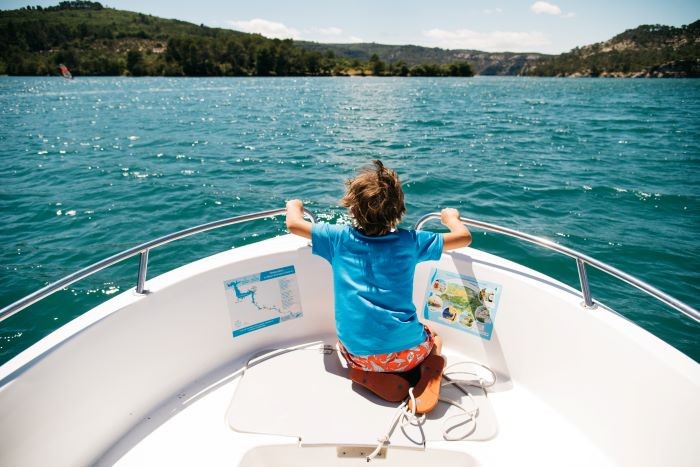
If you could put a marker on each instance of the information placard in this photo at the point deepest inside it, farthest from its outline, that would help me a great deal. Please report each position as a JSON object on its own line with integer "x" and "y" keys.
{"x": 264, "y": 299}
{"x": 462, "y": 302}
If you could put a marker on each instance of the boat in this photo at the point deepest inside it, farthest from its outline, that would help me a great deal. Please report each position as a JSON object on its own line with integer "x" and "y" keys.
{"x": 232, "y": 360}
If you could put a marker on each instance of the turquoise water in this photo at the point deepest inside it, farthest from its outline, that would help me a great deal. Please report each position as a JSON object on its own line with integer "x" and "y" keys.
{"x": 93, "y": 166}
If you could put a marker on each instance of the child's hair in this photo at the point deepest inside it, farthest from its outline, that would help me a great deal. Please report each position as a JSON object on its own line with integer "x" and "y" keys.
{"x": 375, "y": 199}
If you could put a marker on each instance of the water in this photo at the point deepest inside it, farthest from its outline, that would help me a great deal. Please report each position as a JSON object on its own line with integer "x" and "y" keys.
{"x": 93, "y": 166}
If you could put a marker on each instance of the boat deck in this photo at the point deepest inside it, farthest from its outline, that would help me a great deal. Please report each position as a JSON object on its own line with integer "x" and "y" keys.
{"x": 192, "y": 429}
{"x": 152, "y": 379}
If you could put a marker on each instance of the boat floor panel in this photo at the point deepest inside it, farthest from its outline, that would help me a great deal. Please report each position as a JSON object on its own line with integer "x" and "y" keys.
{"x": 197, "y": 432}
{"x": 306, "y": 393}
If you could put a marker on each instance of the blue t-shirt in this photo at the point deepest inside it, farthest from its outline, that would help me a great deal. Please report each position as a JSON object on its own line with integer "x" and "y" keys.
{"x": 373, "y": 281}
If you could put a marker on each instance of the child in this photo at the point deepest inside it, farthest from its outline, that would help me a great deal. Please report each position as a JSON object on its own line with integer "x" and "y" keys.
{"x": 373, "y": 267}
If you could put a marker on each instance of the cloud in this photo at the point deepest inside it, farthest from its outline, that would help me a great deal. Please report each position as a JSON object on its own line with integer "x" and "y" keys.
{"x": 494, "y": 41}
{"x": 277, "y": 30}
{"x": 330, "y": 34}
{"x": 493, "y": 11}
{"x": 331, "y": 31}
{"x": 545, "y": 8}
{"x": 266, "y": 28}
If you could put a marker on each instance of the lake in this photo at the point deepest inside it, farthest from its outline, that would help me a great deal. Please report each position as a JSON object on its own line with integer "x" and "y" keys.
{"x": 93, "y": 166}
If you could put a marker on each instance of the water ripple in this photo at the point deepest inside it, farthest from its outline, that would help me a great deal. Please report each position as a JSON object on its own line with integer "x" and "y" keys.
{"x": 96, "y": 165}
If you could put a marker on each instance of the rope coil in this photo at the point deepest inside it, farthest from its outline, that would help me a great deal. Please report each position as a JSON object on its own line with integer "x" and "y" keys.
{"x": 465, "y": 418}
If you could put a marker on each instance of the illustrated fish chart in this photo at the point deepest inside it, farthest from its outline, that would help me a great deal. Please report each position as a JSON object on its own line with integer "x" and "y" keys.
{"x": 462, "y": 302}
{"x": 264, "y": 299}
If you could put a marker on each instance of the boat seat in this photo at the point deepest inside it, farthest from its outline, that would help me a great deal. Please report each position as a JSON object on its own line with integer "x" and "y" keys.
{"x": 305, "y": 392}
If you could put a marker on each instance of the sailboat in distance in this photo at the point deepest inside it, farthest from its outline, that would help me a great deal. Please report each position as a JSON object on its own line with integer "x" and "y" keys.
{"x": 65, "y": 72}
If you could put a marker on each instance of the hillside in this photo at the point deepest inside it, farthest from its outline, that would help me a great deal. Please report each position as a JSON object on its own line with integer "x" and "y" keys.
{"x": 483, "y": 63}
{"x": 94, "y": 40}
{"x": 646, "y": 51}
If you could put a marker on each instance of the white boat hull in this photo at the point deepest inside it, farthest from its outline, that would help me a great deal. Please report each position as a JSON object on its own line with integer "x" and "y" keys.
{"x": 147, "y": 379}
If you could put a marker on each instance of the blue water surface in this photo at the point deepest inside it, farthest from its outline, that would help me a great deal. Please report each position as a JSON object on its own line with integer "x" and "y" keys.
{"x": 93, "y": 166}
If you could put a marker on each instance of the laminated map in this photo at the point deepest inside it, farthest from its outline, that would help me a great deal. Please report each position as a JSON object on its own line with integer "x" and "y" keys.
{"x": 263, "y": 299}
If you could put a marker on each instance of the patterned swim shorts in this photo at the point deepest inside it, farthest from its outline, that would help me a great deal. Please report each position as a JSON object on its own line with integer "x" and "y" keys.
{"x": 394, "y": 362}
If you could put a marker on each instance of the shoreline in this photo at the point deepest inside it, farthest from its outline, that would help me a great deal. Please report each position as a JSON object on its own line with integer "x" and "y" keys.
{"x": 575, "y": 75}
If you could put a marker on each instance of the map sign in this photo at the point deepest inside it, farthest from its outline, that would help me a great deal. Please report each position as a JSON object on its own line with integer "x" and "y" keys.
{"x": 260, "y": 300}
{"x": 462, "y": 302}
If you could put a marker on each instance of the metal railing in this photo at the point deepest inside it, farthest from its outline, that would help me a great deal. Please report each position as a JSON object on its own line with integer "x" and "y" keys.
{"x": 141, "y": 249}
{"x": 144, "y": 248}
{"x": 581, "y": 261}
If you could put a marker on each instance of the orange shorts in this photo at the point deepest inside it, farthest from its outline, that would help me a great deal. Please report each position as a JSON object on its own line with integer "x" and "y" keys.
{"x": 394, "y": 362}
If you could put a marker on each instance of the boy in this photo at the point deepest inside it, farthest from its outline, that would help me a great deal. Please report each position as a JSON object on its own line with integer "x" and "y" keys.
{"x": 373, "y": 267}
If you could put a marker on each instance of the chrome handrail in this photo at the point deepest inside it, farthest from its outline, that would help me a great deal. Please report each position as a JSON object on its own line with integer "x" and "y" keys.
{"x": 581, "y": 261}
{"x": 141, "y": 249}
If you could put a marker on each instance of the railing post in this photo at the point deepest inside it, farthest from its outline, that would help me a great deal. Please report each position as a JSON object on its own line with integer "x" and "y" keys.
{"x": 585, "y": 289}
{"x": 143, "y": 269}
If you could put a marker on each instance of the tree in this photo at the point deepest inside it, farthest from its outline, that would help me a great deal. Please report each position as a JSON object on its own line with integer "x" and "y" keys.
{"x": 264, "y": 61}
{"x": 377, "y": 66}
{"x": 401, "y": 69}
{"x": 313, "y": 62}
{"x": 460, "y": 69}
{"x": 134, "y": 63}
{"x": 235, "y": 55}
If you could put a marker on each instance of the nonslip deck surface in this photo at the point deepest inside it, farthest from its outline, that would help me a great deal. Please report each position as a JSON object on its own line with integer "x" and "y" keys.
{"x": 306, "y": 393}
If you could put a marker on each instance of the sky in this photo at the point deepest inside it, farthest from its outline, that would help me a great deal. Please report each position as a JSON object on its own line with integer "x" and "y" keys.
{"x": 554, "y": 26}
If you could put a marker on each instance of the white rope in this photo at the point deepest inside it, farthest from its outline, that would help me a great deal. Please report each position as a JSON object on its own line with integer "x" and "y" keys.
{"x": 467, "y": 417}
{"x": 463, "y": 418}
{"x": 409, "y": 418}
{"x": 480, "y": 381}
{"x": 267, "y": 354}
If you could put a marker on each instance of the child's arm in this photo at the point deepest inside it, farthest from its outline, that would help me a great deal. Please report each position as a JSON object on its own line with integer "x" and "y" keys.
{"x": 296, "y": 223}
{"x": 459, "y": 235}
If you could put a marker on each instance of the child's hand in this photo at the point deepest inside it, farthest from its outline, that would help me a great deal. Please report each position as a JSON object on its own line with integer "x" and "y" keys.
{"x": 448, "y": 215}
{"x": 295, "y": 204}
{"x": 459, "y": 234}
{"x": 295, "y": 219}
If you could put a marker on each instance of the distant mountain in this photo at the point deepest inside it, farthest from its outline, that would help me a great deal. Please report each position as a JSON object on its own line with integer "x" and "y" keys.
{"x": 646, "y": 51}
{"x": 94, "y": 40}
{"x": 483, "y": 63}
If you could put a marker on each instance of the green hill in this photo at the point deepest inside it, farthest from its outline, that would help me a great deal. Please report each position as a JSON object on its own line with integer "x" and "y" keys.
{"x": 93, "y": 40}
{"x": 483, "y": 63}
{"x": 646, "y": 51}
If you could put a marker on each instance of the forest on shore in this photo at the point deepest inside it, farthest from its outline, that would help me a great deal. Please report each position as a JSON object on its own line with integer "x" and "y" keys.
{"x": 647, "y": 51}
{"x": 93, "y": 40}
